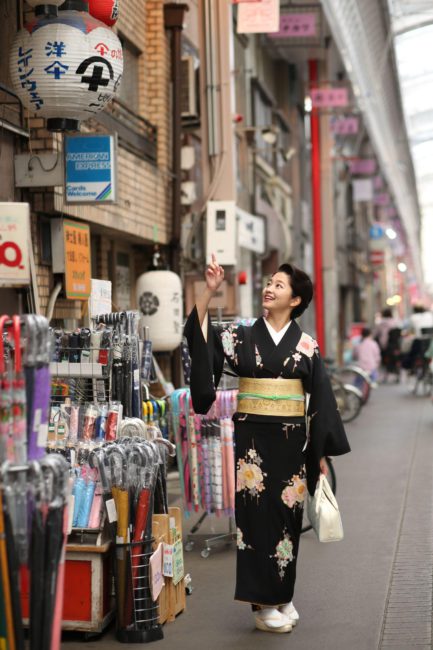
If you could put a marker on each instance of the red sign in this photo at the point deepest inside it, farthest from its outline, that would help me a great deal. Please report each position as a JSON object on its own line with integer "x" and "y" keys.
{"x": 363, "y": 166}
{"x": 377, "y": 258}
{"x": 329, "y": 97}
{"x": 297, "y": 26}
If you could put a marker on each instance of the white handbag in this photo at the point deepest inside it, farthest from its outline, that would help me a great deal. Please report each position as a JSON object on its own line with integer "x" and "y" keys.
{"x": 323, "y": 513}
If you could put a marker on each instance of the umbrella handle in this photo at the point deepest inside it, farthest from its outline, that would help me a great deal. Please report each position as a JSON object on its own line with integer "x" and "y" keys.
{"x": 16, "y": 328}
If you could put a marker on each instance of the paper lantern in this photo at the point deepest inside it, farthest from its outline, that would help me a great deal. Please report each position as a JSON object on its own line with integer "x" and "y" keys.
{"x": 66, "y": 68}
{"x": 106, "y": 11}
{"x": 159, "y": 299}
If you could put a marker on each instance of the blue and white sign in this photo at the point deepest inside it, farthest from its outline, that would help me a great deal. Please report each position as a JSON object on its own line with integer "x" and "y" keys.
{"x": 376, "y": 231}
{"x": 90, "y": 169}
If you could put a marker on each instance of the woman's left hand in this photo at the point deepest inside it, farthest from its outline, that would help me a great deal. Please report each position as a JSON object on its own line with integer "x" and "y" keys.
{"x": 324, "y": 466}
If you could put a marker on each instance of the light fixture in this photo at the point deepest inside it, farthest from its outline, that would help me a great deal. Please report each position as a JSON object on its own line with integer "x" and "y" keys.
{"x": 308, "y": 104}
{"x": 402, "y": 267}
{"x": 394, "y": 300}
{"x": 390, "y": 233}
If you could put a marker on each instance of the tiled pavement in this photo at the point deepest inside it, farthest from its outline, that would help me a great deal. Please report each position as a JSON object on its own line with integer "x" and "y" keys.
{"x": 372, "y": 591}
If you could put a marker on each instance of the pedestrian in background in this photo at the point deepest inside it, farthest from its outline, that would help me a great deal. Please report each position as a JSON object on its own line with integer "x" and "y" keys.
{"x": 383, "y": 327}
{"x": 367, "y": 354}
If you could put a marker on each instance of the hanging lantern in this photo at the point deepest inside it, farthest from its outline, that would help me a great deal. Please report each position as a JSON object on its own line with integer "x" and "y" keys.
{"x": 159, "y": 299}
{"x": 66, "y": 68}
{"x": 106, "y": 11}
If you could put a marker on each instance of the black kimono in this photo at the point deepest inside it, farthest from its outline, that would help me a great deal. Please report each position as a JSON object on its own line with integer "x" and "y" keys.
{"x": 275, "y": 464}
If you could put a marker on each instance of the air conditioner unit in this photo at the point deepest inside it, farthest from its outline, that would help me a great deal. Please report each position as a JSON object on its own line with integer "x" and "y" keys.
{"x": 188, "y": 94}
{"x": 221, "y": 236}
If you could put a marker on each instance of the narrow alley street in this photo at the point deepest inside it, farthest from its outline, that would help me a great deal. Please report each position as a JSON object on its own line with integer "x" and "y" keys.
{"x": 373, "y": 590}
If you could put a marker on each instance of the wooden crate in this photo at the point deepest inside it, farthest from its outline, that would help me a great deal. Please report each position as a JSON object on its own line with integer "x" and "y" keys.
{"x": 172, "y": 600}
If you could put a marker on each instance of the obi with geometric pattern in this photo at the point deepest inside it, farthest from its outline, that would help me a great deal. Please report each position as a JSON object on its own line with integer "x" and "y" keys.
{"x": 275, "y": 397}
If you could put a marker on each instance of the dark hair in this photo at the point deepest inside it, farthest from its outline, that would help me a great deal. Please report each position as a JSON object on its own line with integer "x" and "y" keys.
{"x": 366, "y": 331}
{"x": 386, "y": 313}
{"x": 301, "y": 285}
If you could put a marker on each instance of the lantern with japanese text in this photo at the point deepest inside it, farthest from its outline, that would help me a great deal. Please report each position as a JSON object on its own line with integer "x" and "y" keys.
{"x": 66, "y": 68}
{"x": 107, "y": 11}
{"x": 159, "y": 299}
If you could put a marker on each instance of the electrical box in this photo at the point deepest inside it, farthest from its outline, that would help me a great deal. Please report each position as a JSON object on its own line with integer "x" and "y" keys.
{"x": 221, "y": 232}
{"x": 39, "y": 170}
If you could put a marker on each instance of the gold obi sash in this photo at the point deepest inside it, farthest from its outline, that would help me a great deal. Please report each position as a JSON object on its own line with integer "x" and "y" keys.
{"x": 277, "y": 397}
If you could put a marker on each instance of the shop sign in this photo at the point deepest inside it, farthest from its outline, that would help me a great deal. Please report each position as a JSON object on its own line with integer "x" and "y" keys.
{"x": 297, "y": 25}
{"x": 344, "y": 125}
{"x": 382, "y": 199}
{"x": 14, "y": 244}
{"x": 259, "y": 18}
{"x": 377, "y": 257}
{"x": 251, "y": 231}
{"x": 378, "y": 182}
{"x": 376, "y": 231}
{"x": 100, "y": 298}
{"x": 77, "y": 260}
{"x": 329, "y": 97}
{"x": 90, "y": 169}
{"x": 362, "y": 166}
{"x": 362, "y": 190}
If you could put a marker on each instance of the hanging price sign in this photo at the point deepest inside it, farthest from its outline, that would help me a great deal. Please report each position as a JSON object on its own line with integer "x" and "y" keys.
{"x": 14, "y": 244}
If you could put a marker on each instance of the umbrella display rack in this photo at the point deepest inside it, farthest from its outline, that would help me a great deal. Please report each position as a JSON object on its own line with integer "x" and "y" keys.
{"x": 137, "y": 614}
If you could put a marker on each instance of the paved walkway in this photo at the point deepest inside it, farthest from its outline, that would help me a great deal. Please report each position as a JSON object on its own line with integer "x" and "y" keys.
{"x": 372, "y": 591}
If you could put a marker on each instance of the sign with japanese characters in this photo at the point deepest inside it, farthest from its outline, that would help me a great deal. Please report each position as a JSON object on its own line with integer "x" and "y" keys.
{"x": 297, "y": 25}
{"x": 329, "y": 97}
{"x": 90, "y": 169}
{"x": 14, "y": 244}
{"x": 77, "y": 260}
{"x": 362, "y": 166}
{"x": 259, "y": 17}
{"x": 344, "y": 125}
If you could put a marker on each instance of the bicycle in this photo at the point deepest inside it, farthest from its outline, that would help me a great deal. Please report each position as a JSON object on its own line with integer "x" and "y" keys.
{"x": 332, "y": 480}
{"x": 348, "y": 398}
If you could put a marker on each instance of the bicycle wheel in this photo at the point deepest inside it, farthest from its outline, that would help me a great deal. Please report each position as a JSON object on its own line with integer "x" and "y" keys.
{"x": 356, "y": 377}
{"x": 332, "y": 480}
{"x": 352, "y": 403}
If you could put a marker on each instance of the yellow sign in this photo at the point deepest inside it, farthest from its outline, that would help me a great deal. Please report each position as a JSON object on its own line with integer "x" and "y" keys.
{"x": 77, "y": 260}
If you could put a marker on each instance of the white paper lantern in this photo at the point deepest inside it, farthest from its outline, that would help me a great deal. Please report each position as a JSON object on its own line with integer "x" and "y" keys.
{"x": 66, "y": 68}
{"x": 159, "y": 299}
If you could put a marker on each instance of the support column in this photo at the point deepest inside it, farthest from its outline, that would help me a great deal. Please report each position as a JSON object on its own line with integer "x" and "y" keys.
{"x": 317, "y": 215}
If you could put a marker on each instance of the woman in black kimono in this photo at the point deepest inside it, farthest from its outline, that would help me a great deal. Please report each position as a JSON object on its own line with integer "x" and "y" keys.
{"x": 276, "y": 459}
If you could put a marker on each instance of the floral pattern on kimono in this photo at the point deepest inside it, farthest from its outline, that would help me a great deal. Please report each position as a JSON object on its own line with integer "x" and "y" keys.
{"x": 240, "y": 540}
{"x": 249, "y": 475}
{"x": 293, "y": 495}
{"x": 283, "y": 554}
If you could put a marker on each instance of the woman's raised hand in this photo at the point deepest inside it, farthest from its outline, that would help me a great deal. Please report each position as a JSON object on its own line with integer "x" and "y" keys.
{"x": 214, "y": 275}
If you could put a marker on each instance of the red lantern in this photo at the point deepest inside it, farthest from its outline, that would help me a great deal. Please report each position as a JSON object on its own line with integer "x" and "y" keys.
{"x": 107, "y": 11}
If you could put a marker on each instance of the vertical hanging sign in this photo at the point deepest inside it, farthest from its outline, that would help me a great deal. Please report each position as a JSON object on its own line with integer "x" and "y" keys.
{"x": 76, "y": 238}
{"x": 90, "y": 169}
{"x": 14, "y": 244}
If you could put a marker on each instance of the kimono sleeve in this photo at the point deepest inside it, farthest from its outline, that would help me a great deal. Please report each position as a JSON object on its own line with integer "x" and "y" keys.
{"x": 207, "y": 360}
{"x": 327, "y": 436}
